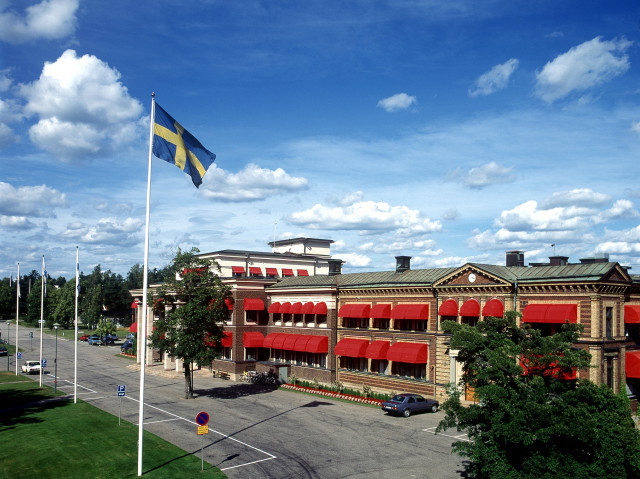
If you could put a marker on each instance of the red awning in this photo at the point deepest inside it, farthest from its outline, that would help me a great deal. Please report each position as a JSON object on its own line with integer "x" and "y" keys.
{"x": 632, "y": 364}
{"x": 289, "y": 342}
{"x": 134, "y": 305}
{"x": 307, "y": 308}
{"x": 352, "y": 347}
{"x": 296, "y": 308}
{"x": 354, "y": 311}
{"x": 285, "y": 308}
{"x": 237, "y": 269}
{"x": 287, "y": 272}
{"x": 227, "y": 340}
{"x": 255, "y": 270}
{"x": 268, "y": 341}
{"x": 631, "y": 314}
{"x": 377, "y": 350}
{"x": 303, "y": 272}
{"x": 550, "y": 313}
{"x": 274, "y": 308}
{"x": 410, "y": 311}
{"x": 538, "y": 366}
{"x": 471, "y": 307}
{"x": 253, "y": 304}
{"x": 414, "y": 353}
{"x": 278, "y": 342}
{"x": 253, "y": 340}
{"x": 320, "y": 308}
{"x": 493, "y": 308}
{"x": 448, "y": 308}
{"x": 318, "y": 345}
{"x": 133, "y": 328}
{"x": 301, "y": 342}
{"x": 382, "y": 311}
{"x": 272, "y": 271}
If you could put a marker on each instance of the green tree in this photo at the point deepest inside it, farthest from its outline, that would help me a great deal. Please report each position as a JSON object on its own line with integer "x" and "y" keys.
{"x": 65, "y": 309}
{"x": 92, "y": 300}
{"x": 531, "y": 420}
{"x": 7, "y": 299}
{"x": 191, "y": 308}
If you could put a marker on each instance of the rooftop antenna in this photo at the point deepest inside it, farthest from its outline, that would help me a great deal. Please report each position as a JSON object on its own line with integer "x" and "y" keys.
{"x": 554, "y": 249}
{"x": 275, "y": 222}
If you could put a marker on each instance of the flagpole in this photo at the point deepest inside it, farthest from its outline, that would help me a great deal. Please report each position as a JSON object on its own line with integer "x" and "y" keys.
{"x": 75, "y": 348}
{"x": 41, "y": 316}
{"x": 142, "y": 331}
{"x": 17, "y": 314}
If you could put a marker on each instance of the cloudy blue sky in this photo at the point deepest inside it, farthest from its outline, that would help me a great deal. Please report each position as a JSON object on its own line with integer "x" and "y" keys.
{"x": 446, "y": 131}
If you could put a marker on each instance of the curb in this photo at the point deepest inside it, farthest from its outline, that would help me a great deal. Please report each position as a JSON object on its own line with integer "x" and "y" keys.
{"x": 332, "y": 394}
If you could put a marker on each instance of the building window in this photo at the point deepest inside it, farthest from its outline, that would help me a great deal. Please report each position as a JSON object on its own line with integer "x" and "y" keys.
{"x": 608, "y": 318}
{"x": 308, "y": 320}
{"x": 353, "y": 364}
{"x": 226, "y": 354}
{"x": 321, "y": 319}
{"x": 408, "y": 370}
{"x": 380, "y": 366}
{"x": 381, "y": 323}
{"x": 470, "y": 320}
{"x": 410, "y": 324}
{"x": 355, "y": 323}
{"x": 251, "y": 316}
{"x": 610, "y": 372}
{"x": 251, "y": 353}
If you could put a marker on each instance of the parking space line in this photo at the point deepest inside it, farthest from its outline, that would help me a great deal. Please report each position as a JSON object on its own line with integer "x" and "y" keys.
{"x": 461, "y": 437}
{"x": 270, "y": 456}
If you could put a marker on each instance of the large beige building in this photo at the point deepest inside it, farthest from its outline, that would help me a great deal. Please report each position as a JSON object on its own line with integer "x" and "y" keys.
{"x": 382, "y": 329}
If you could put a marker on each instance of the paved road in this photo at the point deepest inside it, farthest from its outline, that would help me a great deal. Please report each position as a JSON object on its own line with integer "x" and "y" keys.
{"x": 255, "y": 432}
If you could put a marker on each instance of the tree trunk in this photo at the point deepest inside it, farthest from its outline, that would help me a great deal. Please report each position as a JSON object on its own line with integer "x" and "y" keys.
{"x": 188, "y": 381}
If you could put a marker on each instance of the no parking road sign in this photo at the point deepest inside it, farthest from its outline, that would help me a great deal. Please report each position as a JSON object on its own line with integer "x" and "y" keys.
{"x": 202, "y": 418}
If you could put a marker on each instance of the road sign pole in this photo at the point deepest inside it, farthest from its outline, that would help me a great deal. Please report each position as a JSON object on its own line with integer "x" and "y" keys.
{"x": 202, "y": 451}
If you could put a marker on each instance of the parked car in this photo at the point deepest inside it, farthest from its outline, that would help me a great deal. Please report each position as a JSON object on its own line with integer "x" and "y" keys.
{"x": 4, "y": 351}
{"x": 95, "y": 340}
{"x": 84, "y": 337}
{"x": 126, "y": 345}
{"x": 31, "y": 367}
{"x": 130, "y": 336}
{"x": 112, "y": 338}
{"x": 407, "y": 404}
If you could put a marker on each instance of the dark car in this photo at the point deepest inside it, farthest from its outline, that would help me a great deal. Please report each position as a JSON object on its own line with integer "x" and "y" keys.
{"x": 3, "y": 351}
{"x": 126, "y": 345}
{"x": 407, "y": 404}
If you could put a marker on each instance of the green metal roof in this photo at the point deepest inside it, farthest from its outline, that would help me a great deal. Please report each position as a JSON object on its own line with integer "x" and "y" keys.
{"x": 426, "y": 277}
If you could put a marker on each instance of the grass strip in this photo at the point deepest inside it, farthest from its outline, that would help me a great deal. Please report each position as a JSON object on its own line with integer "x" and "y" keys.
{"x": 48, "y": 436}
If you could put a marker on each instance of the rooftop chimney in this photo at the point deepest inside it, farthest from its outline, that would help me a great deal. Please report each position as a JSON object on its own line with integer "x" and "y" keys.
{"x": 515, "y": 258}
{"x": 602, "y": 258}
{"x": 558, "y": 260}
{"x": 335, "y": 267}
{"x": 403, "y": 263}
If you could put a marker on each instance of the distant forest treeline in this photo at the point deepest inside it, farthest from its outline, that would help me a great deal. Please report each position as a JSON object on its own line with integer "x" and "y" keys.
{"x": 102, "y": 295}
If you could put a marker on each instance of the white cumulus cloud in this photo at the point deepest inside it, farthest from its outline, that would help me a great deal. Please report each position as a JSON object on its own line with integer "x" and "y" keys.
{"x": 366, "y": 216}
{"x": 495, "y": 79}
{"x": 84, "y": 110}
{"x": 583, "y": 67}
{"x": 251, "y": 184}
{"x": 49, "y": 19}
{"x": 35, "y": 201}
{"x": 397, "y": 102}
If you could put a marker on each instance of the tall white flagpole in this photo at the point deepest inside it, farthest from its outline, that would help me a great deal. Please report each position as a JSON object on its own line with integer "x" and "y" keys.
{"x": 75, "y": 348}
{"x": 17, "y": 314}
{"x": 41, "y": 316}
{"x": 142, "y": 329}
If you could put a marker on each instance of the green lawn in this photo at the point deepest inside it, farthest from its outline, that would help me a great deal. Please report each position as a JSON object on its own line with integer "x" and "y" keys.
{"x": 41, "y": 437}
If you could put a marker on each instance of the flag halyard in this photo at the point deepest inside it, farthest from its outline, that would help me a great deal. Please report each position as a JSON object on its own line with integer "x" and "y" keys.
{"x": 174, "y": 144}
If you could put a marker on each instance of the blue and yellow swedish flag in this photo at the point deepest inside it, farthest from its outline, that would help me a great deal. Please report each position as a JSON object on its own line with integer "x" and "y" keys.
{"x": 172, "y": 143}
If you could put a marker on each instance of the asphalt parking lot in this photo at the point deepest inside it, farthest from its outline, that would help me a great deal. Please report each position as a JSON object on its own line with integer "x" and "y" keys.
{"x": 255, "y": 431}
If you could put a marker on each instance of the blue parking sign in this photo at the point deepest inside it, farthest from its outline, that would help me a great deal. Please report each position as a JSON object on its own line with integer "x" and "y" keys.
{"x": 44, "y": 363}
{"x": 121, "y": 390}
{"x": 19, "y": 354}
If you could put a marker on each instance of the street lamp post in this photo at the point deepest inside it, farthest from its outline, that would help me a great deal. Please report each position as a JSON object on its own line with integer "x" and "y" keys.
{"x": 55, "y": 362}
